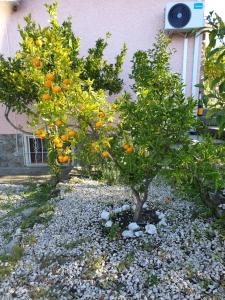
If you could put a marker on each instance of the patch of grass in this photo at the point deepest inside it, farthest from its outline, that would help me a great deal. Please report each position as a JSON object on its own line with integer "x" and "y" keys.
{"x": 114, "y": 231}
{"x": 45, "y": 262}
{"x": 74, "y": 244}
{"x": 8, "y": 262}
{"x": 153, "y": 280}
{"x": 40, "y": 293}
{"x": 41, "y": 215}
{"x": 30, "y": 240}
{"x": 219, "y": 224}
{"x": 126, "y": 263}
{"x": 149, "y": 247}
{"x": 68, "y": 189}
{"x": 93, "y": 265}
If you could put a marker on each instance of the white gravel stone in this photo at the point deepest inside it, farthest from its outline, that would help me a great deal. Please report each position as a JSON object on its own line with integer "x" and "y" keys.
{"x": 72, "y": 258}
{"x": 108, "y": 224}
{"x": 105, "y": 215}
{"x": 128, "y": 234}
{"x": 133, "y": 226}
{"x": 151, "y": 229}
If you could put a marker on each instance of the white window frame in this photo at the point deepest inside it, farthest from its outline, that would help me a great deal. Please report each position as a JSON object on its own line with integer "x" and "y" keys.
{"x": 27, "y": 153}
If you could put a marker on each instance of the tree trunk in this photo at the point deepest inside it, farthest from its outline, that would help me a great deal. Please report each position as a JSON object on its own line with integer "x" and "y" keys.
{"x": 138, "y": 210}
{"x": 140, "y": 201}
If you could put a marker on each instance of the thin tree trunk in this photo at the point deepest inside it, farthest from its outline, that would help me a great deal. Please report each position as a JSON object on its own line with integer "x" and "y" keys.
{"x": 140, "y": 202}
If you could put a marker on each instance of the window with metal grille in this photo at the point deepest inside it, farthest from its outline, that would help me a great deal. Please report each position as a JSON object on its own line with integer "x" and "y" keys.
{"x": 35, "y": 151}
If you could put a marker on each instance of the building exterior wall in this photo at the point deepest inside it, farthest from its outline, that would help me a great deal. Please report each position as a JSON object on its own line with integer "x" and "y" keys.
{"x": 11, "y": 150}
{"x": 135, "y": 22}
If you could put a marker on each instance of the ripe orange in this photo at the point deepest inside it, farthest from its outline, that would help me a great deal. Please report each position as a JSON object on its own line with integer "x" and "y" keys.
{"x": 101, "y": 114}
{"x": 36, "y": 62}
{"x": 66, "y": 82}
{"x": 64, "y": 138}
{"x": 71, "y": 133}
{"x": 66, "y": 158}
{"x": 56, "y": 140}
{"x": 126, "y": 146}
{"x": 63, "y": 158}
{"x": 48, "y": 83}
{"x": 46, "y": 97}
{"x": 98, "y": 124}
{"x": 60, "y": 158}
{"x": 58, "y": 122}
{"x": 56, "y": 89}
{"x": 38, "y": 43}
{"x": 50, "y": 76}
{"x": 105, "y": 154}
{"x": 38, "y": 132}
{"x": 130, "y": 149}
{"x": 59, "y": 144}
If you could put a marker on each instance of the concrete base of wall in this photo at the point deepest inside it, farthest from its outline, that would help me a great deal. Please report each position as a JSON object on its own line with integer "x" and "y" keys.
{"x": 11, "y": 150}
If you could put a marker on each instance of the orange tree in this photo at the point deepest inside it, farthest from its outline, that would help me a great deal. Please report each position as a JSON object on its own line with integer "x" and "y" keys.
{"x": 18, "y": 90}
{"x": 138, "y": 138}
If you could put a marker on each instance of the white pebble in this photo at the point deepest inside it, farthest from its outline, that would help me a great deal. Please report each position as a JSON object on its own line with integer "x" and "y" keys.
{"x": 151, "y": 229}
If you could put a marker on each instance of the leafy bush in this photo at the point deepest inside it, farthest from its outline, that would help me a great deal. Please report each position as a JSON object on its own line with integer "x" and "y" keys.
{"x": 214, "y": 70}
{"x": 199, "y": 169}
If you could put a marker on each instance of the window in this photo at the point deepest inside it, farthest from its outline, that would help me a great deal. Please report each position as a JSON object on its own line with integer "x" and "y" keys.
{"x": 35, "y": 151}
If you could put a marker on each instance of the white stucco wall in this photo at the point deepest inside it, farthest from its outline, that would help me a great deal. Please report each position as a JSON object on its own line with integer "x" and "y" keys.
{"x": 135, "y": 22}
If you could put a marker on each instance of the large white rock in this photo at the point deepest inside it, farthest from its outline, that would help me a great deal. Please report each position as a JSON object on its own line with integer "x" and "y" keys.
{"x": 117, "y": 210}
{"x": 163, "y": 222}
{"x": 127, "y": 234}
{"x": 108, "y": 224}
{"x": 139, "y": 233}
{"x": 151, "y": 229}
{"x": 133, "y": 226}
{"x": 125, "y": 207}
{"x": 105, "y": 215}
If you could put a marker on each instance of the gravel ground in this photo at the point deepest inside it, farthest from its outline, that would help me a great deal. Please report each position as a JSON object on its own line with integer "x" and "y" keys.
{"x": 71, "y": 258}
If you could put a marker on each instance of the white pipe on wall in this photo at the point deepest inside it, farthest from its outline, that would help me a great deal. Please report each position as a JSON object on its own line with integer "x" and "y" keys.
{"x": 195, "y": 66}
{"x": 184, "y": 68}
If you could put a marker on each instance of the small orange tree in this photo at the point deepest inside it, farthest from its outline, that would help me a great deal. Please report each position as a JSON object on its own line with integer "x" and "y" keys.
{"x": 70, "y": 105}
{"x": 74, "y": 113}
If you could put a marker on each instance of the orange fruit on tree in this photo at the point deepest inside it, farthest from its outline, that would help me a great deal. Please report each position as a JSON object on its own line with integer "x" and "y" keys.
{"x": 43, "y": 135}
{"x": 46, "y": 97}
{"x": 38, "y": 132}
{"x": 126, "y": 146}
{"x": 98, "y": 124}
{"x": 60, "y": 158}
{"x": 58, "y": 122}
{"x": 56, "y": 140}
{"x": 64, "y": 138}
{"x": 38, "y": 43}
{"x": 66, "y": 82}
{"x": 105, "y": 154}
{"x": 101, "y": 114}
{"x": 56, "y": 89}
{"x": 36, "y": 62}
{"x": 71, "y": 133}
{"x": 59, "y": 144}
{"x": 66, "y": 158}
{"x": 50, "y": 76}
{"x": 48, "y": 83}
{"x": 130, "y": 149}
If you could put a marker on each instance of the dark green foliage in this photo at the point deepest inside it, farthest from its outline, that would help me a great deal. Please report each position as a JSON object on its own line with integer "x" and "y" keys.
{"x": 157, "y": 121}
{"x": 199, "y": 169}
{"x": 214, "y": 70}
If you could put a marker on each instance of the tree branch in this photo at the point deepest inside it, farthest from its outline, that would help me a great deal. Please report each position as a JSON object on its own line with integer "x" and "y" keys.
{"x": 7, "y": 111}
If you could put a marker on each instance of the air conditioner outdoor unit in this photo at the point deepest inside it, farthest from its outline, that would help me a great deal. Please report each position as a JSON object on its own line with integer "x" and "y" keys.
{"x": 15, "y": 3}
{"x": 184, "y": 16}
